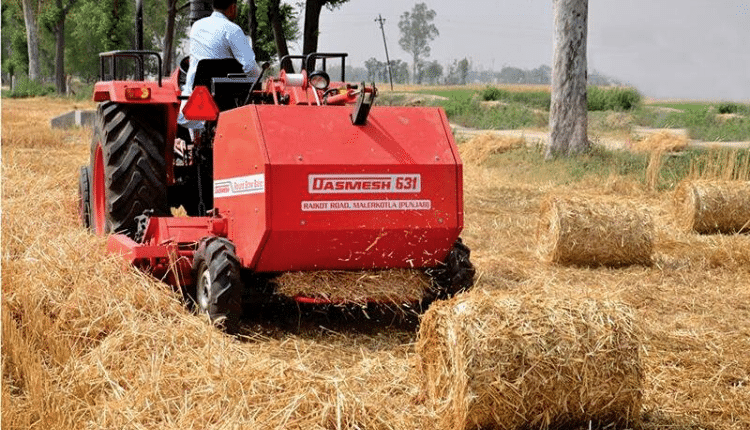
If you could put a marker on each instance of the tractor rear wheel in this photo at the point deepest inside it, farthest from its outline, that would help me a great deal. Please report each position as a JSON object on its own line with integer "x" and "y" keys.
{"x": 455, "y": 275}
{"x": 128, "y": 168}
{"x": 218, "y": 286}
{"x": 84, "y": 196}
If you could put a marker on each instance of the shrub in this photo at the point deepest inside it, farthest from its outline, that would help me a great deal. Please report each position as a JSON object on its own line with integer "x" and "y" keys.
{"x": 493, "y": 93}
{"x": 533, "y": 99}
{"x": 612, "y": 98}
{"x": 728, "y": 107}
{"x": 28, "y": 88}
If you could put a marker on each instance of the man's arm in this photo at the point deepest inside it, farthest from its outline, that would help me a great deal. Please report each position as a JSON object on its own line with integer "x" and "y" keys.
{"x": 243, "y": 52}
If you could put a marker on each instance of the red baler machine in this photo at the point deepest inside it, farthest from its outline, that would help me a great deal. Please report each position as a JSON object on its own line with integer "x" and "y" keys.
{"x": 300, "y": 175}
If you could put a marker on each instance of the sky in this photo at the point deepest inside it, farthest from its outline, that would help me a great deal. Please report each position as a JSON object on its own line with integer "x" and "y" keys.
{"x": 673, "y": 49}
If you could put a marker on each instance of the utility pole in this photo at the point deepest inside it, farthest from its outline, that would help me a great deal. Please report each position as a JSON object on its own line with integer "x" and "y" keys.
{"x": 380, "y": 20}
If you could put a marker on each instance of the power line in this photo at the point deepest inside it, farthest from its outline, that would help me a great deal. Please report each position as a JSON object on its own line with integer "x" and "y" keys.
{"x": 380, "y": 20}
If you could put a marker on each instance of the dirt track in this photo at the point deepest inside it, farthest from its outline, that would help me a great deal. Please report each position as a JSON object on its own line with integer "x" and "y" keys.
{"x": 534, "y": 137}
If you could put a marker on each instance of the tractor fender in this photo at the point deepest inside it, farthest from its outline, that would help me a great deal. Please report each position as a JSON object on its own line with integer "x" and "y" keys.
{"x": 136, "y": 92}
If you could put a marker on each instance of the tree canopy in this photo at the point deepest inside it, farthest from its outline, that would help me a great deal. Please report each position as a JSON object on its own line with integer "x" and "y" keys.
{"x": 417, "y": 31}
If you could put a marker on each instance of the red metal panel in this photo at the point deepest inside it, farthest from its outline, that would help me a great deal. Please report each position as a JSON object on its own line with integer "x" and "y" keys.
{"x": 241, "y": 170}
{"x": 180, "y": 230}
{"x": 132, "y": 251}
{"x": 334, "y": 195}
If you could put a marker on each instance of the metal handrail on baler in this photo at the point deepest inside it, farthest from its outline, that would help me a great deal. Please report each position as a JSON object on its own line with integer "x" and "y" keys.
{"x": 308, "y": 61}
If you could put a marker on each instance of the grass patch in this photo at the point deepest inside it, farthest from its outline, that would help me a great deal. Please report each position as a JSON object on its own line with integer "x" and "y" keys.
{"x": 600, "y": 164}
{"x": 532, "y": 99}
{"x": 28, "y": 88}
{"x": 529, "y": 165}
{"x": 468, "y": 112}
{"x": 452, "y": 93}
{"x": 701, "y": 121}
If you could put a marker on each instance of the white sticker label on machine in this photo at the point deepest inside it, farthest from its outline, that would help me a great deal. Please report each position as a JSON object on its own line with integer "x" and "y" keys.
{"x": 364, "y": 183}
{"x": 366, "y": 205}
{"x": 253, "y": 184}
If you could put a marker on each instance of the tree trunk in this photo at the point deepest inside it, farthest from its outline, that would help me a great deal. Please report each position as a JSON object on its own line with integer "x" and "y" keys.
{"x": 60, "y": 83}
{"x": 32, "y": 39}
{"x": 568, "y": 112}
{"x": 415, "y": 78}
{"x": 312, "y": 22}
{"x": 252, "y": 23}
{"x": 167, "y": 50}
{"x": 274, "y": 16}
{"x": 60, "y": 80}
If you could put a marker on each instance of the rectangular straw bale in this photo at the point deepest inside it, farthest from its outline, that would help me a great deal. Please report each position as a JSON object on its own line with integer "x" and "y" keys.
{"x": 713, "y": 206}
{"x": 593, "y": 231}
{"x": 489, "y": 359}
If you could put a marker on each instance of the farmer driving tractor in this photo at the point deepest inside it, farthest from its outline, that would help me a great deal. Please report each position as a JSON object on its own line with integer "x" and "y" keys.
{"x": 217, "y": 37}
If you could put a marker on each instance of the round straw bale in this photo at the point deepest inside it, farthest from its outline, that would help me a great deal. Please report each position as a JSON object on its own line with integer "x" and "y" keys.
{"x": 495, "y": 360}
{"x": 594, "y": 231}
{"x": 713, "y": 206}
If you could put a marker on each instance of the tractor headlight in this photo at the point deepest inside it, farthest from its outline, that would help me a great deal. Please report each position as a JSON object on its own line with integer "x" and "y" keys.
{"x": 319, "y": 79}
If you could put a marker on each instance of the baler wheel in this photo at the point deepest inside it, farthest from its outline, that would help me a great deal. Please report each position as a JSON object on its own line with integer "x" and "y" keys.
{"x": 84, "y": 196}
{"x": 218, "y": 286}
{"x": 455, "y": 275}
{"x": 128, "y": 167}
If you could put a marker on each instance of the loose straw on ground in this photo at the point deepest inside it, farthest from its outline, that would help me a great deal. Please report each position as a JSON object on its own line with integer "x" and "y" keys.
{"x": 713, "y": 206}
{"x": 663, "y": 142}
{"x": 594, "y": 231}
{"x": 393, "y": 286}
{"x": 480, "y": 148}
{"x": 516, "y": 362}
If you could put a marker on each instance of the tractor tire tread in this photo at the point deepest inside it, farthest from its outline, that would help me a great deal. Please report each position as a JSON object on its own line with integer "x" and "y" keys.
{"x": 455, "y": 275}
{"x": 218, "y": 255}
{"x": 133, "y": 148}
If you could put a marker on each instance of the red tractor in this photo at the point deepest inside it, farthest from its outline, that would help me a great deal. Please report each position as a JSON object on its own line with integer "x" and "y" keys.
{"x": 290, "y": 173}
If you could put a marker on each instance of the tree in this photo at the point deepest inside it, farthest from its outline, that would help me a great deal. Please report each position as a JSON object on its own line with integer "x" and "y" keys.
{"x": 279, "y": 36}
{"x": 54, "y": 20}
{"x": 463, "y": 71}
{"x": 15, "y": 53}
{"x": 167, "y": 52}
{"x": 275, "y": 24}
{"x": 568, "y": 115}
{"x": 98, "y": 26}
{"x": 417, "y": 31}
{"x": 458, "y": 72}
{"x": 374, "y": 67}
{"x": 32, "y": 38}
{"x": 400, "y": 71}
{"x": 252, "y": 24}
{"x": 312, "y": 22}
{"x": 431, "y": 72}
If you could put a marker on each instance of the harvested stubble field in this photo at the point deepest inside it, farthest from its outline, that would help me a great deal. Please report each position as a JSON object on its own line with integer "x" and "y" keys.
{"x": 87, "y": 343}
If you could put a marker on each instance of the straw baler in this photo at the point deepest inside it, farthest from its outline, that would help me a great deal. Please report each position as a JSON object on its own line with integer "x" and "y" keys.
{"x": 300, "y": 175}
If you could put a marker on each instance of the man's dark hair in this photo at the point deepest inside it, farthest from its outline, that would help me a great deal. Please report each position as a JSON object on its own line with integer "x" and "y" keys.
{"x": 223, "y": 4}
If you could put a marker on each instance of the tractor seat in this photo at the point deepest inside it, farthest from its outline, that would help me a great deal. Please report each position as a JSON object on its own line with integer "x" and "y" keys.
{"x": 209, "y": 69}
{"x": 226, "y": 81}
